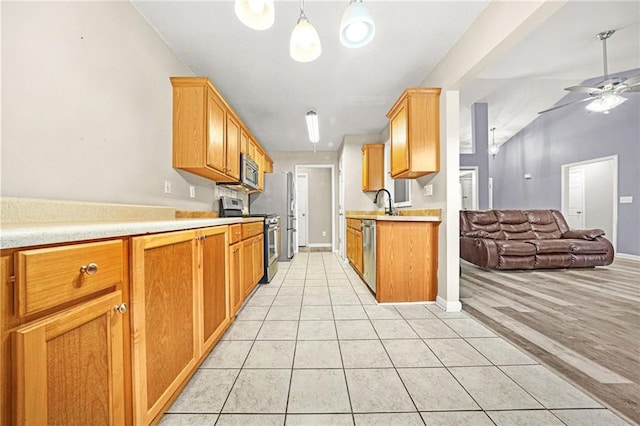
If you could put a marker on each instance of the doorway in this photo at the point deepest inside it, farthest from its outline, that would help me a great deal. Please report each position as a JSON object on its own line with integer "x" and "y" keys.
{"x": 590, "y": 194}
{"x": 315, "y": 206}
{"x": 468, "y": 188}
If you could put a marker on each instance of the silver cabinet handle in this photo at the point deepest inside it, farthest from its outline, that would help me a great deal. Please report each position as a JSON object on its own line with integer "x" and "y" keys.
{"x": 121, "y": 308}
{"x": 89, "y": 269}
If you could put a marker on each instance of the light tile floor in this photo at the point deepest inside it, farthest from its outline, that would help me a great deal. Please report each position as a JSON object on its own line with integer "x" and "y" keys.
{"x": 314, "y": 348}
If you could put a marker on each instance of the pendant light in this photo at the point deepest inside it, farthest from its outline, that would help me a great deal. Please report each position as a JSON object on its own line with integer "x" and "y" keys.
{"x": 305, "y": 43}
{"x": 493, "y": 149}
{"x": 255, "y": 14}
{"x": 356, "y": 27}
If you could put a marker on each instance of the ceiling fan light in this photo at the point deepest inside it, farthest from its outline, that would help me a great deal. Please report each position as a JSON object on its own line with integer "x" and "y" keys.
{"x": 305, "y": 42}
{"x": 356, "y": 27}
{"x": 605, "y": 103}
{"x": 255, "y": 14}
{"x": 312, "y": 127}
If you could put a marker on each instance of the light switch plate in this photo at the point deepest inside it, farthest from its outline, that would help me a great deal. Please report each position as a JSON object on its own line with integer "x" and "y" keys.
{"x": 167, "y": 187}
{"x": 628, "y": 199}
{"x": 428, "y": 189}
{"x": 192, "y": 191}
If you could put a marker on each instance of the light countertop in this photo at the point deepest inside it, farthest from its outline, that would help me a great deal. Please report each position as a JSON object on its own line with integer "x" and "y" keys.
{"x": 14, "y": 235}
{"x": 395, "y": 218}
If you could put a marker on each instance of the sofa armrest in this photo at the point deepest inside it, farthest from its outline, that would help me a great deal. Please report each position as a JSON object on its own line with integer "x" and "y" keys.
{"x": 479, "y": 251}
{"x": 584, "y": 234}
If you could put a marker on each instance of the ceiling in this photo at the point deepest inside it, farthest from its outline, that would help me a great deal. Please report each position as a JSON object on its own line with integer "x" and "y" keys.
{"x": 352, "y": 89}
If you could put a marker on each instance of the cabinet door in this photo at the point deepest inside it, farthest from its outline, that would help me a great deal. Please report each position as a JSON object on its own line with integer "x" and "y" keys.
{"x": 216, "y": 133}
{"x": 247, "y": 267}
{"x": 244, "y": 142}
{"x": 258, "y": 258}
{"x": 214, "y": 300}
{"x": 68, "y": 368}
{"x": 232, "y": 157}
{"x": 399, "y": 141}
{"x": 372, "y": 167}
{"x": 164, "y": 318}
{"x": 260, "y": 160}
{"x": 235, "y": 277}
{"x": 357, "y": 245}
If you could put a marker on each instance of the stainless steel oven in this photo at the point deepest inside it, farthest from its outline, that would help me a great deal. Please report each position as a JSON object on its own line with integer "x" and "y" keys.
{"x": 271, "y": 246}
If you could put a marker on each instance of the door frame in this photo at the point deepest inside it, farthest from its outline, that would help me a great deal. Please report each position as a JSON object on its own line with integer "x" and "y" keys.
{"x": 564, "y": 182}
{"x": 297, "y": 167}
{"x": 306, "y": 217}
{"x": 473, "y": 171}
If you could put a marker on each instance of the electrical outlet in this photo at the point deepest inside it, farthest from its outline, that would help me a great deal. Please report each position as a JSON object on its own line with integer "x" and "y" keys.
{"x": 628, "y": 199}
{"x": 428, "y": 190}
{"x": 324, "y": 233}
{"x": 192, "y": 191}
{"x": 167, "y": 187}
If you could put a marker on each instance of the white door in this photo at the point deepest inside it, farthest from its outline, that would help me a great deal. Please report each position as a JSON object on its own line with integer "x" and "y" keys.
{"x": 302, "y": 189}
{"x": 575, "y": 211}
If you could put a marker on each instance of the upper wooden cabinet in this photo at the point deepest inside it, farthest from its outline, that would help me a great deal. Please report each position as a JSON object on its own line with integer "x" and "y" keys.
{"x": 208, "y": 136}
{"x": 372, "y": 167}
{"x": 414, "y": 122}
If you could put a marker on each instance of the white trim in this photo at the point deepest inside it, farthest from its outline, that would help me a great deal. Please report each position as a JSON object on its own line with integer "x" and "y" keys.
{"x": 473, "y": 171}
{"x": 320, "y": 245}
{"x": 333, "y": 195}
{"x": 627, "y": 256}
{"x": 564, "y": 170}
{"x": 454, "y": 306}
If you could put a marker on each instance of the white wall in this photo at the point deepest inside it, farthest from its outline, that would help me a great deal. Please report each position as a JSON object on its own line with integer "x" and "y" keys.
{"x": 319, "y": 204}
{"x": 87, "y": 107}
{"x": 354, "y": 198}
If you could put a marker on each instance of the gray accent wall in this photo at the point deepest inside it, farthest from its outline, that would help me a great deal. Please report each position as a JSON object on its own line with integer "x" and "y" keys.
{"x": 480, "y": 157}
{"x": 571, "y": 135}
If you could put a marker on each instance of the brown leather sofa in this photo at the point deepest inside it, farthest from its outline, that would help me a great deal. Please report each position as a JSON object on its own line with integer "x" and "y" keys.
{"x": 529, "y": 239}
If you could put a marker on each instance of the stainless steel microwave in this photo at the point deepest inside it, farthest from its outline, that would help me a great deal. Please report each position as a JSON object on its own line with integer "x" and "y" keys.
{"x": 249, "y": 173}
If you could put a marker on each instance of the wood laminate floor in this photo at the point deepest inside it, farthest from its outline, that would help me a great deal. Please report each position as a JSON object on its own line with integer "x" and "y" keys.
{"x": 583, "y": 323}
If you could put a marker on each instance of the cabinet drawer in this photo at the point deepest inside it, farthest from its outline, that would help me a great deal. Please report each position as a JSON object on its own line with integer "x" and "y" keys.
{"x": 235, "y": 233}
{"x": 52, "y": 276}
{"x": 251, "y": 229}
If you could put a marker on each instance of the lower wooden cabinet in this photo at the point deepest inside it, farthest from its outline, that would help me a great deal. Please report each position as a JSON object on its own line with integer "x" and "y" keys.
{"x": 180, "y": 308}
{"x": 354, "y": 244}
{"x": 164, "y": 302}
{"x": 68, "y": 368}
{"x": 235, "y": 277}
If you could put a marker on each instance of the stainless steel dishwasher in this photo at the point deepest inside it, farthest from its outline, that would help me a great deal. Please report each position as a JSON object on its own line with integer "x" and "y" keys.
{"x": 369, "y": 252}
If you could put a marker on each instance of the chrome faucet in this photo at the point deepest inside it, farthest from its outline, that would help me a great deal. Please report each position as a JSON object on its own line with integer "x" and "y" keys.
{"x": 375, "y": 200}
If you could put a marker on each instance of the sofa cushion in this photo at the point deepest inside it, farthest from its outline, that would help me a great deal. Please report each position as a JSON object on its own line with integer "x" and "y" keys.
{"x": 584, "y": 246}
{"x": 552, "y": 246}
{"x": 515, "y": 248}
{"x": 562, "y": 260}
{"x": 543, "y": 224}
{"x": 482, "y": 220}
{"x": 514, "y": 225}
{"x": 516, "y": 262}
{"x": 584, "y": 234}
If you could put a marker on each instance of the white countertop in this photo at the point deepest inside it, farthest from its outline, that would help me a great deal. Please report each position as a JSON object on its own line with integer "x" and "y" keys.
{"x": 26, "y": 235}
{"x": 401, "y": 218}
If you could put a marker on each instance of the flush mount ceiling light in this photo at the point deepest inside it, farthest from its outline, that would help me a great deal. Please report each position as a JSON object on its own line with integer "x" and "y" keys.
{"x": 255, "y": 14}
{"x": 605, "y": 103}
{"x": 357, "y": 27}
{"x": 493, "y": 149}
{"x": 312, "y": 127}
{"x": 305, "y": 43}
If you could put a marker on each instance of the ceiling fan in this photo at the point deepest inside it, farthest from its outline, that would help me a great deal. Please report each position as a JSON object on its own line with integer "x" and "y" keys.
{"x": 604, "y": 95}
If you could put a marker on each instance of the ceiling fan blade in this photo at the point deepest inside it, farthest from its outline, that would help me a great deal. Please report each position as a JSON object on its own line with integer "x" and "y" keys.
{"x": 632, "y": 81}
{"x": 582, "y": 89}
{"x": 627, "y": 89}
{"x": 567, "y": 104}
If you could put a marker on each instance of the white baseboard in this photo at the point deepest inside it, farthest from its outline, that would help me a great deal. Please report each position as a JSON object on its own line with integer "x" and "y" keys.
{"x": 314, "y": 245}
{"x": 455, "y": 306}
{"x": 627, "y": 256}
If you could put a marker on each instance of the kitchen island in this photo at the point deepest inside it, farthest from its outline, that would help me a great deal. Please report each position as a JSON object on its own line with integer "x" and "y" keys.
{"x": 406, "y": 254}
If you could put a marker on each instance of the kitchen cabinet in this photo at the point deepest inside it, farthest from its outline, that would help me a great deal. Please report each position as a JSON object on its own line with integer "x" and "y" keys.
{"x": 235, "y": 268}
{"x": 414, "y": 127}
{"x": 64, "y": 345}
{"x": 252, "y": 256}
{"x": 244, "y": 141}
{"x": 207, "y": 134}
{"x": 354, "y": 244}
{"x": 372, "y": 167}
{"x": 260, "y": 159}
{"x": 179, "y": 310}
{"x": 406, "y": 261}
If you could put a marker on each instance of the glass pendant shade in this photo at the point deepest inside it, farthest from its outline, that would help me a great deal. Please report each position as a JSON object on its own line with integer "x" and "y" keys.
{"x": 605, "y": 103}
{"x": 357, "y": 27}
{"x": 255, "y": 14}
{"x": 494, "y": 149}
{"x": 305, "y": 43}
